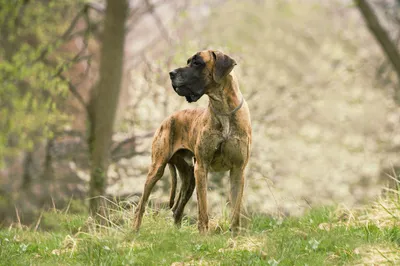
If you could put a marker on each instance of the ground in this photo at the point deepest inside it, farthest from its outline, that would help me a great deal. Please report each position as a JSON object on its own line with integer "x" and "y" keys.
{"x": 323, "y": 236}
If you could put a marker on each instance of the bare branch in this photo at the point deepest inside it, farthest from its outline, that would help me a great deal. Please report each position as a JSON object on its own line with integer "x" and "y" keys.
{"x": 137, "y": 13}
{"x": 380, "y": 34}
{"x": 96, "y": 7}
{"x": 127, "y": 155}
{"x": 63, "y": 37}
{"x": 74, "y": 91}
{"x": 119, "y": 146}
{"x": 130, "y": 140}
{"x": 127, "y": 147}
{"x": 71, "y": 133}
{"x": 161, "y": 27}
{"x": 80, "y": 56}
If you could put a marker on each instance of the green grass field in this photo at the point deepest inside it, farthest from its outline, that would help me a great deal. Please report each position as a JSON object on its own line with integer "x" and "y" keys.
{"x": 324, "y": 236}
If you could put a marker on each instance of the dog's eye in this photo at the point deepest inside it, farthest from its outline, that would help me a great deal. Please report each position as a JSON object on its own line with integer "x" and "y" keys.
{"x": 196, "y": 63}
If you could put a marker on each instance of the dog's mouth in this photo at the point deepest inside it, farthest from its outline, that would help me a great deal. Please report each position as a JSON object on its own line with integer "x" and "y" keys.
{"x": 187, "y": 93}
{"x": 192, "y": 98}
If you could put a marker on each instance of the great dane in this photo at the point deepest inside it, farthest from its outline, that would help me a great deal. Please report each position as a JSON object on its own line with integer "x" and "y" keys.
{"x": 202, "y": 140}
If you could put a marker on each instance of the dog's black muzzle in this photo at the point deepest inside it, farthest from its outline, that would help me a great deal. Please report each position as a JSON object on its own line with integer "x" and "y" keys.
{"x": 184, "y": 88}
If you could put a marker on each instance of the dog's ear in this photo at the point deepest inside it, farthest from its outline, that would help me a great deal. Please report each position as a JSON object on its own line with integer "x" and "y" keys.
{"x": 223, "y": 65}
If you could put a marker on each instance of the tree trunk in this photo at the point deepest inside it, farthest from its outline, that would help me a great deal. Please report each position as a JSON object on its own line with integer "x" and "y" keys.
{"x": 380, "y": 34}
{"x": 27, "y": 164}
{"x": 48, "y": 171}
{"x": 104, "y": 100}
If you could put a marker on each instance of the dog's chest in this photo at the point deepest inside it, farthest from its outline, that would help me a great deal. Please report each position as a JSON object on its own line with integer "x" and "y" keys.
{"x": 227, "y": 141}
{"x": 226, "y": 155}
{"x": 228, "y": 152}
{"x": 225, "y": 126}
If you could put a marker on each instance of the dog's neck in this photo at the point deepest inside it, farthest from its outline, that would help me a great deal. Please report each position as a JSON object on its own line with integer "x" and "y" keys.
{"x": 224, "y": 100}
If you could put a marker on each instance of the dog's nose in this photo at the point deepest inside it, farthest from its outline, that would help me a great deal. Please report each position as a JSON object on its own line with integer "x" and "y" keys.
{"x": 172, "y": 74}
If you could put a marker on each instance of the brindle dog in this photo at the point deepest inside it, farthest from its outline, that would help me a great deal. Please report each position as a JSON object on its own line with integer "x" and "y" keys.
{"x": 198, "y": 141}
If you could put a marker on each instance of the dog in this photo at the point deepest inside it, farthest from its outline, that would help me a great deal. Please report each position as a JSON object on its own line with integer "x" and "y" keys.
{"x": 198, "y": 141}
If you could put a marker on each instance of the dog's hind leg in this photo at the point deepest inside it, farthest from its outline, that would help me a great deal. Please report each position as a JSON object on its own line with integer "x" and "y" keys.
{"x": 155, "y": 173}
{"x": 161, "y": 152}
{"x": 186, "y": 174}
{"x": 172, "y": 193}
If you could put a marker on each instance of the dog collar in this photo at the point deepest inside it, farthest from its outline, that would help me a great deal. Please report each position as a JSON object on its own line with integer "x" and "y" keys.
{"x": 231, "y": 112}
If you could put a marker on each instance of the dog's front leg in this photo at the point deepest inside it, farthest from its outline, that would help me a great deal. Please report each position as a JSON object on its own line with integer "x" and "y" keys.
{"x": 200, "y": 173}
{"x": 237, "y": 184}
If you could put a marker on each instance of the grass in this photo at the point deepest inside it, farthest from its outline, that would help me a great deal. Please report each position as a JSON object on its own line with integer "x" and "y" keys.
{"x": 323, "y": 236}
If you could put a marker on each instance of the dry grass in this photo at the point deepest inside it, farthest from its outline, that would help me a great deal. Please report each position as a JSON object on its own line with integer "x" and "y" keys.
{"x": 378, "y": 255}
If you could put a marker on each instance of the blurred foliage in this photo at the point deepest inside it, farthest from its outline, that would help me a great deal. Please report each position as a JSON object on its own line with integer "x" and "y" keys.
{"x": 32, "y": 94}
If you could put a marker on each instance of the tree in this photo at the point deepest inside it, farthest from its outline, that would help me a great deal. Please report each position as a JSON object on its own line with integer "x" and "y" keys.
{"x": 380, "y": 34}
{"x": 103, "y": 105}
{"x": 31, "y": 95}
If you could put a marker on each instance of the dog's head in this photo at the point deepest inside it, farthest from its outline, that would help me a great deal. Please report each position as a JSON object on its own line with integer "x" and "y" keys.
{"x": 204, "y": 71}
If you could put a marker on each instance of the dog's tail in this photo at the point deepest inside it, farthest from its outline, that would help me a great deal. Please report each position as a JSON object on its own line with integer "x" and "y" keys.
{"x": 172, "y": 171}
